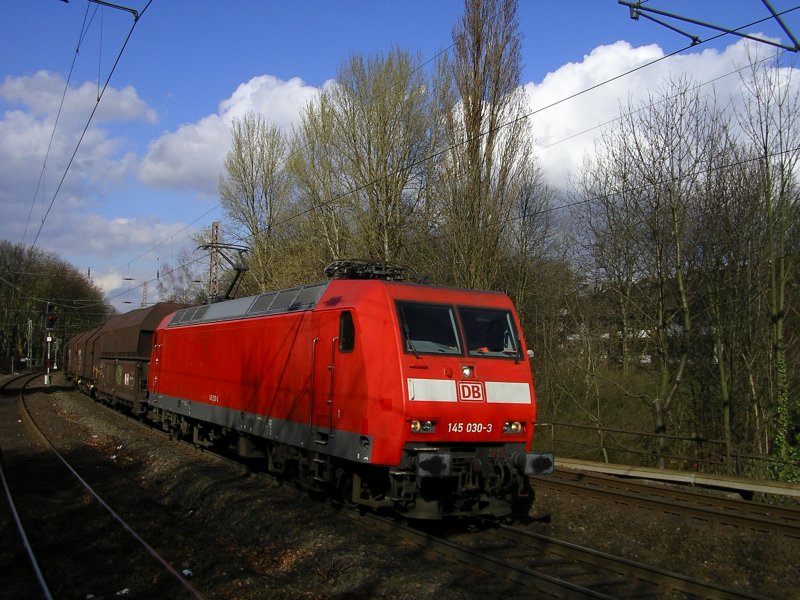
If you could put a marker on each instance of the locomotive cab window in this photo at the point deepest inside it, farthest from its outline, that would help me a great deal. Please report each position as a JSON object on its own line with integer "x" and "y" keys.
{"x": 489, "y": 332}
{"x": 428, "y": 328}
{"x": 347, "y": 332}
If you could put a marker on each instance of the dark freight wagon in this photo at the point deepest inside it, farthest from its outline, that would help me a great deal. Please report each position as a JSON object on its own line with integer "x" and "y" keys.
{"x": 112, "y": 362}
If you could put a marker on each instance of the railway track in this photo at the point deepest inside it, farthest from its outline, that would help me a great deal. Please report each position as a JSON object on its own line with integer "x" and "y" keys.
{"x": 540, "y": 566}
{"x": 671, "y": 499}
{"x": 60, "y": 536}
{"x": 557, "y": 568}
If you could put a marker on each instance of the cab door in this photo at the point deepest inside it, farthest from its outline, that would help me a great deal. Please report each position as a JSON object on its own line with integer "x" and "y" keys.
{"x": 334, "y": 338}
{"x": 154, "y": 369}
{"x": 323, "y": 375}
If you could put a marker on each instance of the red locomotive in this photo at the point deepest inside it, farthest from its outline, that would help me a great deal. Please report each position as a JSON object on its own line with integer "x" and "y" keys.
{"x": 406, "y": 396}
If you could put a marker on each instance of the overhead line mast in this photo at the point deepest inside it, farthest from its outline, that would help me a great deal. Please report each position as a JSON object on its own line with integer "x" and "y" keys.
{"x": 238, "y": 264}
{"x": 133, "y": 11}
{"x": 637, "y": 10}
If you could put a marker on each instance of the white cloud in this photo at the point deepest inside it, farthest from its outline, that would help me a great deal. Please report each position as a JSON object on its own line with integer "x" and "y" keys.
{"x": 279, "y": 101}
{"x": 28, "y": 130}
{"x": 95, "y": 240}
{"x": 43, "y": 93}
{"x": 105, "y": 244}
{"x": 567, "y": 130}
{"x": 192, "y": 157}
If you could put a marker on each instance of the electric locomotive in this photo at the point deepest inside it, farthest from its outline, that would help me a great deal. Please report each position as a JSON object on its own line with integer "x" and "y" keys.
{"x": 389, "y": 394}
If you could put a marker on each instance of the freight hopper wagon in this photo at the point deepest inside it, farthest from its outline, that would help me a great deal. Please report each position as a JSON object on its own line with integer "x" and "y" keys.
{"x": 411, "y": 397}
{"x": 110, "y": 363}
{"x": 79, "y": 358}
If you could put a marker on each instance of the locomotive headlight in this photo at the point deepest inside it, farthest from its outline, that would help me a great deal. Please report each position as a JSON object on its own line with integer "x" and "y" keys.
{"x": 512, "y": 427}
{"x": 422, "y": 426}
{"x": 466, "y": 371}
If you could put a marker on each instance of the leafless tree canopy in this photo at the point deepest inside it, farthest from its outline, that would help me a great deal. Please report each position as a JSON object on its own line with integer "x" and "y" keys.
{"x": 660, "y": 302}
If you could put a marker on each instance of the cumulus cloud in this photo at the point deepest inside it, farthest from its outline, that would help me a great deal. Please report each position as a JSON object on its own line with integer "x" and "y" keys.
{"x": 43, "y": 92}
{"x": 279, "y": 101}
{"x": 574, "y": 104}
{"x": 189, "y": 158}
{"x": 192, "y": 157}
{"x": 28, "y": 131}
{"x": 83, "y": 226}
{"x": 105, "y": 244}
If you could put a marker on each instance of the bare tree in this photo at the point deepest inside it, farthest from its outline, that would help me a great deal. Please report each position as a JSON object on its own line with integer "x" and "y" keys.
{"x": 255, "y": 188}
{"x": 358, "y": 157}
{"x": 319, "y": 189}
{"x": 771, "y": 124}
{"x": 611, "y": 236}
{"x": 487, "y": 135}
{"x": 644, "y": 187}
{"x": 182, "y": 281}
{"x": 531, "y": 241}
{"x": 380, "y": 108}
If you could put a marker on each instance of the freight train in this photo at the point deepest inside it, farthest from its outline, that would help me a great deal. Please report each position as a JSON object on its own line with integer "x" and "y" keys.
{"x": 381, "y": 392}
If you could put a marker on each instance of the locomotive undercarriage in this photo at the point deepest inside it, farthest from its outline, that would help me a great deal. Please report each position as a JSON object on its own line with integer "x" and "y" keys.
{"x": 460, "y": 481}
{"x": 430, "y": 483}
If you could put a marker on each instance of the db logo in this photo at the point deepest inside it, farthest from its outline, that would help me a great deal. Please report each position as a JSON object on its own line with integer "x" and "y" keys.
{"x": 471, "y": 391}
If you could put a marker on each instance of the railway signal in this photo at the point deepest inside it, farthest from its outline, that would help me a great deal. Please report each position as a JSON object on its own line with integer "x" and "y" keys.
{"x": 49, "y": 318}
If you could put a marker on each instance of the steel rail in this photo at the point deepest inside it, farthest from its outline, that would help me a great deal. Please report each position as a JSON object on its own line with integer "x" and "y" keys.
{"x": 671, "y": 581}
{"x": 530, "y": 548}
{"x": 785, "y": 521}
{"x": 31, "y": 423}
{"x": 40, "y": 579}
{"x": 539, "y": 581}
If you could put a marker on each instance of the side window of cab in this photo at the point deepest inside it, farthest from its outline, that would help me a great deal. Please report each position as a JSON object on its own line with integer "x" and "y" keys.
{"x": 347, "y": 332}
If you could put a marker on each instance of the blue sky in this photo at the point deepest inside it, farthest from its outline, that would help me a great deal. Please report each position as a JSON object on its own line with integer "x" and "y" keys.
{"x": 145, "y": 174}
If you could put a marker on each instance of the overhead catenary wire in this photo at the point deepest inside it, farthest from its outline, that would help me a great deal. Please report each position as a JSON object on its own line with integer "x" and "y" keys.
{"x": 88, "y": 123}
{"x": 81, "y": 36}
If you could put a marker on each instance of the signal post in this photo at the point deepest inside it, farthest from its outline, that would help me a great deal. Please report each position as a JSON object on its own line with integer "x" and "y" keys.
{"x": 49, "y": 325}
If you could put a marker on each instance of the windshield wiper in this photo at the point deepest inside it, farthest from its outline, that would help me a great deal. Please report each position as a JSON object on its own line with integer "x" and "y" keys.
{"x": 407, "y": 332}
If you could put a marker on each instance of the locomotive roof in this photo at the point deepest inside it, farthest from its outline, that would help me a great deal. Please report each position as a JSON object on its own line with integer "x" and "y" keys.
{"x": 270, "y": 303}
{"x": 284, "y": 301}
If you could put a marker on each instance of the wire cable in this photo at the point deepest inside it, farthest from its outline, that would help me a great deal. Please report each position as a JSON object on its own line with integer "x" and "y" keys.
{"x": 81, "y": 36}
{"x": 88, "y": 122}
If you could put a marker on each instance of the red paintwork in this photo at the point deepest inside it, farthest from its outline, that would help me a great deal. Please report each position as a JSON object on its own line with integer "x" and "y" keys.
{"x": 287, "y": 366}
